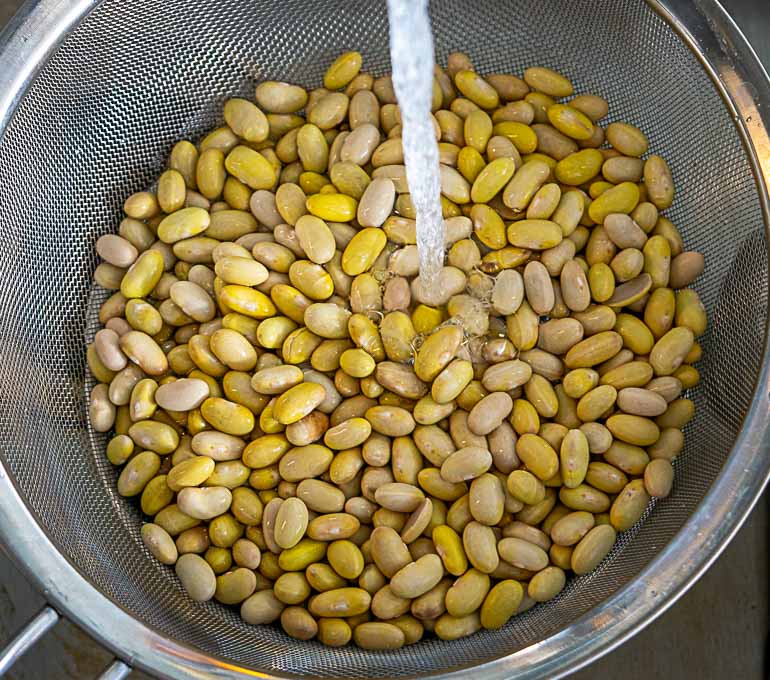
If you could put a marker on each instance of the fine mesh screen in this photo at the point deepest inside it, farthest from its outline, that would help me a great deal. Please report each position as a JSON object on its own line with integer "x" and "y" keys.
{"x": 138, "y": 75}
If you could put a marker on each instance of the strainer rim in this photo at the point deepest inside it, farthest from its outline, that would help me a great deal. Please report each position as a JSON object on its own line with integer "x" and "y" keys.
{"x": 26, "y": 46}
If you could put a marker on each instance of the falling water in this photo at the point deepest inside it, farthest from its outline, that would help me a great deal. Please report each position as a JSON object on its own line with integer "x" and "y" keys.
{"x": 411, "y": 55}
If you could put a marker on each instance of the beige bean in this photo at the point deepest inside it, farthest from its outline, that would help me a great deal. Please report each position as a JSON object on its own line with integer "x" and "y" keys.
{"x": 668, "y": 387}
{"x": 109, "y": 276}
{"x": 489, "y": 413}
{"x": 360, "y": 144}
{"x": 543, "y": 363}
{"x": 378, "y": 635}
{"x": 185, "y": 394}
{"x": 123, "y": 384}
{"x": 547, "y": 584}
{"x": 538, "y": 287}
{"x": 659, "y": 182}
{"x": 204, "y": 503}
{"x": 522, "y": 554}
{"x": 417, "y": 578}
{"x": 450, "y": 281}
{"x": 263, "y": 207}
{"x": 418, "y": 521}
{"x": 235, "y": 586}
{"x": 159, "y": 543}
{"x": 584, "y": 497}
{"x": 571, "y": 528}
{"x": 387, "y": 605}
{"x": 574, "y": 286}
{"x": 389, "y": 552}
{"x": 392, "y": 421}
{"x": 508, "y": 292}
{"x": 246, "y": 554}
{"x": 291, "y": 522}
{"x": 376, "y": 203}
{"x": 261, "y": 608}
{"x": 276, "y": 379}
{"x": 305, "y": 462}
{"x": 592, "y": 549}
{"x": 329, "y": 111}
{"x": 197, "y": 577}
{"x": 487, "y": 499}
{"x": 144, "y": 351}
{"x": 320, "y": 496}
{"x": 364, "y": 108}
{"x": 298, "y": 623}
{"x": 506, "y": 375}
{"x": 502, "y": 446}
{"x": 278, "y": 97}
{"x": 641, "y": 402}
{"x": 315, "y": 238}
{"x": 400, "y": 379}
{"x": 116, "y": 250}
{"x": 624, "y": 232}
{"x": 574, "y": 455}
{"x": 629, "y": 505}
{"x": 101, "y": 410}
{"x": 685, "y": 268}
{"x": 658, "y": 477}
{"x": 193, "y": 300}
{"x": 107, "y": 346}
{"x": 466, "y": 464}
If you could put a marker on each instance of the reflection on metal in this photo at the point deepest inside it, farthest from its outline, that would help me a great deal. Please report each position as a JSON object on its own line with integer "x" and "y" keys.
{"x": 31, "y": 633}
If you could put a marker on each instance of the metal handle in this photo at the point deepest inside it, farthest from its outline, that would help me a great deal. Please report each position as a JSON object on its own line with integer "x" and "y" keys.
{"x": 117, "y": 671}
{"x": 33, "y": 631}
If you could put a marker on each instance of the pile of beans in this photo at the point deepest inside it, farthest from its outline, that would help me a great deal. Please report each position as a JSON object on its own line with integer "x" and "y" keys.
{"x": 318, "y": 437}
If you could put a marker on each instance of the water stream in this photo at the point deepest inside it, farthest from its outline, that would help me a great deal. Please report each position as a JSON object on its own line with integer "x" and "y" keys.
{"x": 412, "y": 60}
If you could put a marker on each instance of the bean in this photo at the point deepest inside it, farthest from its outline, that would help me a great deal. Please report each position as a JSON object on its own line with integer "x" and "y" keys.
{"x": 159, "y": 543}
{"x": 522, "y": 554}
{"x": 418, "y": 577}
{"x": 658, "y": 478}
{"x": 197, "y": 577}
{"x": 592, "y": 549}
{"x": 629, "y": 505}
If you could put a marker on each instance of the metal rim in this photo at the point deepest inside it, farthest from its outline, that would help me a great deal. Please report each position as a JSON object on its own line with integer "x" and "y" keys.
{"x": 731, "y": 63}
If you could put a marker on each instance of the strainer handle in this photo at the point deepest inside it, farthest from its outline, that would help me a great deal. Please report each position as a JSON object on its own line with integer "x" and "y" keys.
{"x": 117, "y": 671}
{"x": 33, "y": 631}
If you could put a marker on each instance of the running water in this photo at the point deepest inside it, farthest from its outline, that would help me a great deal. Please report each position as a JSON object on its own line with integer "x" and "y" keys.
{"x": 412, "y": 59}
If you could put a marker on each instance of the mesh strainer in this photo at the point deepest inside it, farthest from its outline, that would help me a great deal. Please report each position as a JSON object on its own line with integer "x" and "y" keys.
{"x": 92, "y": 96}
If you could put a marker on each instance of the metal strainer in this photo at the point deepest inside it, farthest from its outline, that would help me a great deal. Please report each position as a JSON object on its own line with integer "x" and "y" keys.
{"x": 92, "y": 96}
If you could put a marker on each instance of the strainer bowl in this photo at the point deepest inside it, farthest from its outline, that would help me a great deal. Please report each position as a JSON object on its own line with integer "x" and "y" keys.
{"x": 93, "y": 95}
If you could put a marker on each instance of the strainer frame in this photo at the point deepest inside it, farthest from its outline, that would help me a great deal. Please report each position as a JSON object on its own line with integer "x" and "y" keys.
{"x": 27, "y": 43}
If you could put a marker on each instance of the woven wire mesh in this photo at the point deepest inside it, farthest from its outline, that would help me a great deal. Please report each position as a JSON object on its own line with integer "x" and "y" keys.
{"x": 137, "y": 75}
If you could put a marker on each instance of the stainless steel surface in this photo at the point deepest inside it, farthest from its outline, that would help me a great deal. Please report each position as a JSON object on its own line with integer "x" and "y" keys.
{"x": 96, "y": 123}
{"x": 27, "y": 638}
{"x": 117, "y": 671}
